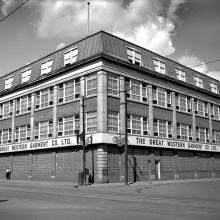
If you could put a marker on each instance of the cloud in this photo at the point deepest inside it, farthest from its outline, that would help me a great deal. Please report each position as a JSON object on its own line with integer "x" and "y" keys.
{"x": 60, "y": 45}
{"x": 197, "y": 64}
{"x": 139, "y": 21}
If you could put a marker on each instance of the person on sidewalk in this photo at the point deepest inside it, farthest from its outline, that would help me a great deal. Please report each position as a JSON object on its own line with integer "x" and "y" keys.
{"x": 8, "y": 174}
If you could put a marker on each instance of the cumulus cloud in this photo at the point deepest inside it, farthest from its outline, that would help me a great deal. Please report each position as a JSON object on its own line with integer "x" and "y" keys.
{"x": 197, "y": 64}
{"x": 139, "y": 21}
{"x": 60, "y": 45}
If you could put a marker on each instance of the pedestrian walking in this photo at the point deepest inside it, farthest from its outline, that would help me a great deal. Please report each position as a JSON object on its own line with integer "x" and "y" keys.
{"x": 8, "y": 174}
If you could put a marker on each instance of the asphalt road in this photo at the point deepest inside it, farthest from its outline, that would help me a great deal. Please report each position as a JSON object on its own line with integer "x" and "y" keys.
{"x": 188, "y": 201}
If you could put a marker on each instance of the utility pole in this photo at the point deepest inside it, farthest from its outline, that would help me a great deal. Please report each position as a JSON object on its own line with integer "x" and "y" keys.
{"x": 83, "y": 140}
{"x": 126, "y": 139}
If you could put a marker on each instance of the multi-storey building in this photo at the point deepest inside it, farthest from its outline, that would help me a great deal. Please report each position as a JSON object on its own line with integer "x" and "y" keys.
{"x": 173, "y": 115}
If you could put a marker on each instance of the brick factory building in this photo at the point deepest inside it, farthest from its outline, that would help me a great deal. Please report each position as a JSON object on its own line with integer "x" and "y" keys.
{"x": 173, "y": 115}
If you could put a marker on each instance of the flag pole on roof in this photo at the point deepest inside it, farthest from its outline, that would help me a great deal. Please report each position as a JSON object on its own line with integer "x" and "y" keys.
{"x": 88, "y": 19}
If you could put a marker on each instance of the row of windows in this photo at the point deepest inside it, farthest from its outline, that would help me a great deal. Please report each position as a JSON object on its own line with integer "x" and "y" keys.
{"x": 134, "y": 56}
{"x": 137, "y": 90}
{"x": 136, "y": 125}
{"x": 70, "y": 57}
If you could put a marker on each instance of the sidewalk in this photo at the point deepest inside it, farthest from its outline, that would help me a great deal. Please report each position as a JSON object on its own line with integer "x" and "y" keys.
{"x": 95, "y": 185}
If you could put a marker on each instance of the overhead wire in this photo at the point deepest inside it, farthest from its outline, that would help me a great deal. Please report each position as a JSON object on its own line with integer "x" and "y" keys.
{"x": 3, "y": 3}
{"x": 211, "y": 61}
{"x": 14, "y": 10}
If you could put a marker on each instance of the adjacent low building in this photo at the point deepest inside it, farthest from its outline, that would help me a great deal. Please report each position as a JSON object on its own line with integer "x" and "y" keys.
{"x": 173, "y": 115}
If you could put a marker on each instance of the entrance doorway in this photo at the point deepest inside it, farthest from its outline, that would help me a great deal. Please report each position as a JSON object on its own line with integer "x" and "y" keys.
{"x": 157, "y": 169}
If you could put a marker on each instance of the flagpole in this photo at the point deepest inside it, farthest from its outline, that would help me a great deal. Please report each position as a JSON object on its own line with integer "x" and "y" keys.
{"x": 88, "y": 19}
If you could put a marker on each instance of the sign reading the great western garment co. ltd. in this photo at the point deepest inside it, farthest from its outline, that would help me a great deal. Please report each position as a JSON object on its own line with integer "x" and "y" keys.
{"x": 44, "y": 144}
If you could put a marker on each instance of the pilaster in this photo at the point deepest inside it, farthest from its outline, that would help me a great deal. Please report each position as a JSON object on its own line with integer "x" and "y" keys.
{"x": 174, "y": 114}
{"x": 122, "y": 106}
{"x": 32, "y": 115}
{"x": 102, "y": 101}
{"x": 210, "y": 124}
{"x": 193, "y": 119}
{"x": 151, "y": 117}
{"x": 55, "y": 111}
{"x": 13, "y": 122}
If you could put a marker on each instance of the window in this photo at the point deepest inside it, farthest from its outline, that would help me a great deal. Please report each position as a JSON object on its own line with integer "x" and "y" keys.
{"x": 159, "y": 66}
{"x": 181, "y": 74}
{"x": 6, "y": 109}
{"x": 202, "y": 134}
{"x": 70, "y": 56}
{"x": 22, "y": 133}
{"x": 214, "y": 87}
{"x": 163, "y": 128}
{"x": 113, "y": 85}
{"x": 183, "y": 103}
{"x": 184, "y": 132}
{"x": 134, "y": 56}
{"x": 161, "y": 97}
{"x": 69, "y": 91}
{"x": 91, "y": 84}
{"x": 23, "y": 104}
{"x": 46, "y": 67}
{"x": 137, "y": 125}
{"x": 25, "y": 75}
{"x": 5, "y": 136}
{"x": 136, "y": 90}
{"x": 201, "y": 108}
{"x": 215, "y": 112}
{"x": 44, "y": 98}
{"x": 43, "y": 129}
{"x": 67, "y": 125}
{"x": 91, "y": 122}
{"x": 198, "y": 81}
{"x": 8, "y": 82}
{"x": 216, "y": 137}
{"x": 113, "y": 121}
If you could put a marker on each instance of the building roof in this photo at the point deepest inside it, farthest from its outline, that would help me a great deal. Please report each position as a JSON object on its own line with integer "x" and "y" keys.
{"x": 98, "y": 44}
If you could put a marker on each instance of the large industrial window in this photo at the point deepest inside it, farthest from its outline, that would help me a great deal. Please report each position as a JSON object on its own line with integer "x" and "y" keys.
{"x": 137, "y": 125}
{"x": 91, "y": 122}
{"x": 43, "y": 129}
{"x": 136, "y": 90}
{"x": 91, "y": 84}
{"x": 183, "y": 103}
{"x": 113, "y": 121}
{"x": 113, "y": 84}
{"x": 22, "y": 133}
{"x": 134, "y": 56}
{"x": 202, "y": 134}
{"x": 201, "y": 107}
{"x": 6, "y": 109}
{"x": 198, "y": 81}
{"x": 159, "y": 65}
{"x": 184, "y": 132}
{"x": 46, "y": 67}
{"x": 216, "y": 136}
{"x": 161, "y": 97}
{"x": 25, "y": 75}
{"x": 70, "y": 56}
{"x": 23, "y": 104}
{"x": 44, "y": 98}
{"x": 5, "y": 136}
{"x": 181, "y": 74}
{"x": 69, "y": 91}
{"x": 215, "y": 111}
{"x": 67, "y": 125}
{"x": 163, "y": 128}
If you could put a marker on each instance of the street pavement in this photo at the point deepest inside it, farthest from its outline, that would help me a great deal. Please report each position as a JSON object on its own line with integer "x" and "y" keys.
{"x": 182, "y": 199}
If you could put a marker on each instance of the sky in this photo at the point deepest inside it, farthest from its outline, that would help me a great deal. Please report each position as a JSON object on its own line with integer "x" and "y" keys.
{"x": 186, "y": 31}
